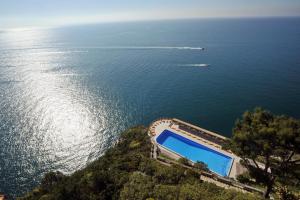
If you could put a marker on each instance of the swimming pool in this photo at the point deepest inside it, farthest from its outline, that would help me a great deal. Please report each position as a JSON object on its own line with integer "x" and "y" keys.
{"x": 216, "y": 161}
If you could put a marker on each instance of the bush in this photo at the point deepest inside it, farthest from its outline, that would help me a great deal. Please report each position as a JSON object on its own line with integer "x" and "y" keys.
{"x": 169, "y": 175}
{"x": 244, "y": 178}
{"x": 201, "y": 166}
{"x": 285, "y": 194}
{"x": 51, "y": 179}
{"x": 166, "y": 192}
{"x": 184, "y": 161}
{"x": 139, "y": 186}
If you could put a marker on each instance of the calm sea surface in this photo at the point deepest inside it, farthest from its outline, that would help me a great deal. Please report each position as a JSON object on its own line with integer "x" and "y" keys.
{"x": 67, "y": 93}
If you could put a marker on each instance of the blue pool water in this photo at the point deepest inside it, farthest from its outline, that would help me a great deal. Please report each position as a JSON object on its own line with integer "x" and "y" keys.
{"x": 216, "y": 162}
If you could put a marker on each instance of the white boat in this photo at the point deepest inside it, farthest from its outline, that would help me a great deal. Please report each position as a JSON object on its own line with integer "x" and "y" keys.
{"x": 203, "y": 65}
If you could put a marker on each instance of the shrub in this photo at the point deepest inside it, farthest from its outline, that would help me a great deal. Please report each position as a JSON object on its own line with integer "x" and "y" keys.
{"x": 184, "y": 161}
{"x": 201, "y": 166}
{"x": 139, "y": 186}
{"x": 244, "y": 178}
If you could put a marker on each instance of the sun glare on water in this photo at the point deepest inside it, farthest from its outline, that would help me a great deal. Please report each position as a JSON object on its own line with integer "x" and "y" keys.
{"x": 58, "y": 119}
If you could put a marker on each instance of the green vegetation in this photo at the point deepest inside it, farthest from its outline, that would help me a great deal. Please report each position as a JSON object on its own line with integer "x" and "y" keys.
{"x": 244, "y": 178}
{"x": 273, "y": 141}
{"x": 127, "y": 172}
{"x": 201, "y": 166}
{"x": 184, "y": 161}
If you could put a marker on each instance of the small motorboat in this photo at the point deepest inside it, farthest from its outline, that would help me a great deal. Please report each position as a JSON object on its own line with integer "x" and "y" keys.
{"x": 203, "y": 65}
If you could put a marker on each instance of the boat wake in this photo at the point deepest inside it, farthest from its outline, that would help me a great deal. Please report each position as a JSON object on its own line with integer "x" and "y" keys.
{"x": 195, "y": 65}
{"x": 57, "y": 52}
{"x": 150, "y": 47}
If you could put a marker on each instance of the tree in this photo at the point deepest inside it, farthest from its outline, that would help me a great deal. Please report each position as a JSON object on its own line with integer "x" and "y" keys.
{"x": 268, "y": 145}
{"x": 139, "y": 186}
{"x": 51, "y": 179}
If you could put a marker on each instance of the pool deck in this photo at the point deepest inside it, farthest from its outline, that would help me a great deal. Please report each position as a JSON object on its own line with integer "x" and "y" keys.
{"x": 211, "y": 140}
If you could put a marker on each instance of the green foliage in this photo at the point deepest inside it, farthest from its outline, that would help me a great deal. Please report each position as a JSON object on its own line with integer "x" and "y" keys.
{"x": 142, "y": 187}
{"x": 166, "y": 192}
{"x": 184, "y": 161}
{"x": 51, "y": 179}
{"x": 285, "y": 194}
{"x": 139, "y": 187}
{"x": 207, "y": 191}
{"x": 244, "y": 178}
{"x": 192, "y": 174}
{"x": 270, "y": 139}
{"x": 134, "y": 144}
{"x": 201, "y": 166}
{"x": 191, "y": 191}
{"x": 169, "y": 175}
{"x": 127, "y": 172}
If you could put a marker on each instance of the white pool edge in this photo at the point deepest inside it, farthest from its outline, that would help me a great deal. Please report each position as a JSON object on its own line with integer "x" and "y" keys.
{"x": 173, "y": 131}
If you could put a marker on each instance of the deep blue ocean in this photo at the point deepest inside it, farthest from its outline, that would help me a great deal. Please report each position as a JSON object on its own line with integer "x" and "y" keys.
{"x": 67, "y": 93}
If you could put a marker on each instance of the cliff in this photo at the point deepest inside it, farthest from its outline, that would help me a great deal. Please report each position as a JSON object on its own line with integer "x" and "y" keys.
{"x": 126, "y": 171}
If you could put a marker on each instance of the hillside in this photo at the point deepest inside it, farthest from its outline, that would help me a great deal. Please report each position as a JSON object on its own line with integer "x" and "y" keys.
{"x": 127, "y": 172}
